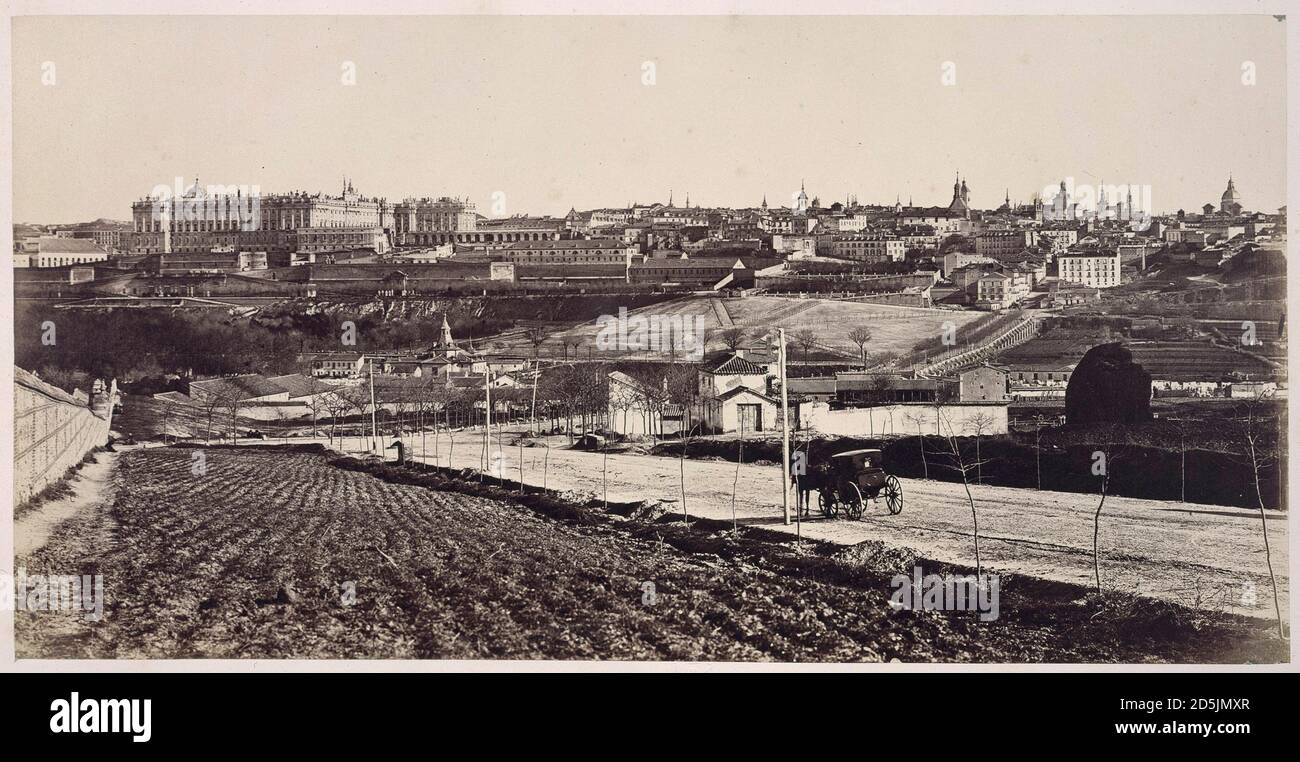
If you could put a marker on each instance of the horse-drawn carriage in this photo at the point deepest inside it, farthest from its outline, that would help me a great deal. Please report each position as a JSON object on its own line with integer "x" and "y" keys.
{"x": 849, "y": 479}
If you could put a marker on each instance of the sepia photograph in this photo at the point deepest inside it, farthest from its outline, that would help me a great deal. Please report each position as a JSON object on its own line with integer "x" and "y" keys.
{"x": 648, "y": 338}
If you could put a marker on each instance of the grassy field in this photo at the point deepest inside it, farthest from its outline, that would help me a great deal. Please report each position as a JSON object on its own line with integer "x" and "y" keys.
{"x": 894, "y": 329}
{"x": 275, "y": 553}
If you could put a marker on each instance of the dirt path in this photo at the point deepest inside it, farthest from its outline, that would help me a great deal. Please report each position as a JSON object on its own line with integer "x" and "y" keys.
{"x": 1198, "y": 555}
{"x": 90, "y": 486}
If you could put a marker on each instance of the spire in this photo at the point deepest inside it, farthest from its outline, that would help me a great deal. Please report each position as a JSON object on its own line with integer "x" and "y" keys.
{"x": 446, "y": 333}
{"x": 670, "y": 197}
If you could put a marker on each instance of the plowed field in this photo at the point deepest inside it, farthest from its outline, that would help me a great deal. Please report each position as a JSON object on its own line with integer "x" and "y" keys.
{"x": 280, "y": 554}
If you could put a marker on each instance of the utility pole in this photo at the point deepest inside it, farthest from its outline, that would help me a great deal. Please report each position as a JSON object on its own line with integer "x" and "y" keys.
{"x": 785, "y": 437}
{"x": 537, "y": 374}
{"x": 487, "y": 427}
{"x": 374, "y": 424}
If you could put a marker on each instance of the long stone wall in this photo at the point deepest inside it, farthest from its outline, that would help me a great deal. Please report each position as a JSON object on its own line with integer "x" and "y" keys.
{"x": 907, "y": 419}
{"x": 53, "y": 431}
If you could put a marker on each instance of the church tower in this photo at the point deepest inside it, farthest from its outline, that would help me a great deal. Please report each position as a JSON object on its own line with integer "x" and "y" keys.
{"x": 960, "y": 204}
{"x": 801, "y": 202}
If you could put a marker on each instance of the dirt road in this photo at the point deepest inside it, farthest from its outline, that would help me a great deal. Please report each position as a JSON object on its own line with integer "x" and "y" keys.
{"x": 1197, "y": 555}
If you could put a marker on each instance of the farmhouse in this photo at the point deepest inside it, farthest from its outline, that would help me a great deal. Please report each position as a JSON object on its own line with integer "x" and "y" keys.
{"x": 743, "y": 410}
{"x": 735, "y": 391}
{"x": 982, "y": 384}
{"x": 334, "y": 364}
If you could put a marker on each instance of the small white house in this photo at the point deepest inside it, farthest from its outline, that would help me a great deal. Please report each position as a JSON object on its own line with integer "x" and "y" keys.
{"x": 742, "y": 410}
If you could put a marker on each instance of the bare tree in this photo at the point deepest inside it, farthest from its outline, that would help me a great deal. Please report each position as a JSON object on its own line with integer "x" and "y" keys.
{"x": 919, "y": 420}
{"x": 209, "y": 404}
{"x": 735, "y": 482}
{"x": 732, "y": 337}
{"x": 880, "y": 384}
{"x": 861, "y": 336}
{"x": 1103, "y": 461}
{"x": 954, "y": 459}
{"x": 1038, "y": 449}
{"x": 681, "y": 386}
{"x": 977, "y": 424}
{"x": 806, "y": 338}
{"x": 536, "y": 336}
{"x": 354, "y": 398}
{"x": 229, "y": 405}
{"x": 1261, "y": 458}
{"x": 336, "y": 406}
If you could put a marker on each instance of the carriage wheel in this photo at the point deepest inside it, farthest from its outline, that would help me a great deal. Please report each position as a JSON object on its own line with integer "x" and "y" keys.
{"x": 855, "y": 505}
{"x": 893, "y": 492}
{"x": 826, "y": 501}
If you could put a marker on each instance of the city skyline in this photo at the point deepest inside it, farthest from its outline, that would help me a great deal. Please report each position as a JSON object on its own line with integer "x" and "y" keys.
{"x": 739, "y": 109}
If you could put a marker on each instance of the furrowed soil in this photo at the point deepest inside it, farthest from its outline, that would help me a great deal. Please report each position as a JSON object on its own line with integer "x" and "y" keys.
{"x": 280, "y": 553}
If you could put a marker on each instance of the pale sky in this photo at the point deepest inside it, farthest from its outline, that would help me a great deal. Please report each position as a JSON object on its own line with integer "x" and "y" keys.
{"x": 552, "y": 111}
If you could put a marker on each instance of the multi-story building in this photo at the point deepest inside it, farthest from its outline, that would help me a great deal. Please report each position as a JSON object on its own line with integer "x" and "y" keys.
{"x": 919, "y": 236}
{"x": 1186, "y": 235}
{"x": 426, "y": 221}
{"x": 108, "y": 235}
{"x": 603, "y": 218}
{"x": 201, "y": 219}
{"x": 1059, "y": 239}
{"x": 53, "y": 251}
{"x": 603, "y": 251}
{"x": 869, "y": 248}
{"x": 955, "y": 260}
{"x": 216, "y": 260}
{"x": 1094, "y": 269}
{"x": 313, "y": 240}
{"x": 998, "y": 290}
{"x": 1002, "y": 244}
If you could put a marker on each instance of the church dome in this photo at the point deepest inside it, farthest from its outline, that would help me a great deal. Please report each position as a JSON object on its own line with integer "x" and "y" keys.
{"x": 1230, "y": 194}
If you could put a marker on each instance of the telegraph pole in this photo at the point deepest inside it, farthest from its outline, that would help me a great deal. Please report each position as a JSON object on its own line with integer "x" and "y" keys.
{"x": 785, "y": 436}
{"x": 537, "y": 374}
{"x": 374, "y": 425}
{"x": 487, "y": 428}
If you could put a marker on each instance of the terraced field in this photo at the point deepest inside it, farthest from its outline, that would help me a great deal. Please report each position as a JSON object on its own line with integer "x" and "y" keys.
{"x": 894, "y": 329}
{"x": 280, "y": 553}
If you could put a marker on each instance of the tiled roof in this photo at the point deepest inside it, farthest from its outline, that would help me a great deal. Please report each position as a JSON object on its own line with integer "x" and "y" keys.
{"x": 298, "y": 385}
{"x": 55, "y": 245}
{"x": 739, "y": 366}
{"x": 237, "y": 387}
{"x": 600, "y": 243}
{"x": 811, "y": 385}
{"x": 736, "y": 391}
{"x": 704, "y": 263}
